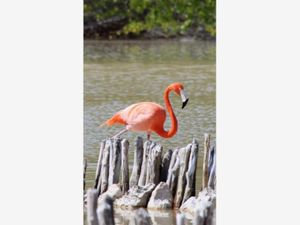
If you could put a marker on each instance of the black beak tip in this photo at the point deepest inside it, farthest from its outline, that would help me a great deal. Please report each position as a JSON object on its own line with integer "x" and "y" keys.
{"x": 184, "y": 103}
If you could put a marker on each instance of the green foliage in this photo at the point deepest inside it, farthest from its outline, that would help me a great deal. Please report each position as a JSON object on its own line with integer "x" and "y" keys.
{"x": 171, "y": 16}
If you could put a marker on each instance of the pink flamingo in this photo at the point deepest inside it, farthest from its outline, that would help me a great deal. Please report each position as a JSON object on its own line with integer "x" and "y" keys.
{"x": 149, "y": 116}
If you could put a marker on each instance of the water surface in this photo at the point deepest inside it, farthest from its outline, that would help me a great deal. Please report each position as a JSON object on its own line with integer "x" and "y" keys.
{"x": 120, "y": 73}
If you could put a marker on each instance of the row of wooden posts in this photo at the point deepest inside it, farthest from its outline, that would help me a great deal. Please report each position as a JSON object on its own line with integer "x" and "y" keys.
{"x": 177, "y": 168}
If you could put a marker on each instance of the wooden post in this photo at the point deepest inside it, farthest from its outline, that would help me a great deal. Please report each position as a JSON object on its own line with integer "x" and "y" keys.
{"x": 105, "y": 211}
{"x": 183, "y": 155}
{"x": 191, "y": 172}
{"x": 142, "y": 179}
{"x": 142, "y": 217}
{"x": 172, "y": 163}
{"x": 205, "y": 160}
{"x": 165, "y": 165}
{"x": 84, "y": 173}
{"x": 114, "y": 161}
{"x": 124, "y": 166}
{"x": 99, "y": 164}
{"x": 212, "y": 168}
{"x": 153, "y": 164}
{"x": 137, "y": 163}
{"x": 91, "y": 207}
{"x": 104, "y": 169}
{"x": 180, "y": 219}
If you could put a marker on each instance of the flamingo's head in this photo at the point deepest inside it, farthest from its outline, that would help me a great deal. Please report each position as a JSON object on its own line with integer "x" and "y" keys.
{"x": 179, "y": 90}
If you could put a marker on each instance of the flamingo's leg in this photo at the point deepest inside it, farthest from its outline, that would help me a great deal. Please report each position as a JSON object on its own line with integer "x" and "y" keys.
{"x": 148, "y": 136}
{"x": 119, "y": 133}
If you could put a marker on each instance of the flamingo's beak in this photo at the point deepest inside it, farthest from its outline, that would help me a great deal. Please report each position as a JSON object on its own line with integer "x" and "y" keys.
{"x": 184, "y": 98}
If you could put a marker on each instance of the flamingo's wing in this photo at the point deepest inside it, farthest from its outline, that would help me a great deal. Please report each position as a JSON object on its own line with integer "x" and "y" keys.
{"x": 141, "y": 114}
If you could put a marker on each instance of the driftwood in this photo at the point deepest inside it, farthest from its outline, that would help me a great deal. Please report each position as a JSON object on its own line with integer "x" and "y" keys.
{"x": 205, "y": 160}
{"x": 165, "y": 165}
{"x": 92, "y": 195}
{"x": 191, "y": 172}
{"x": 183, "y": 155}
{"x": 124, "y": 166}
{"x": 105, "y": 211}
{"x": 137, "y": 163}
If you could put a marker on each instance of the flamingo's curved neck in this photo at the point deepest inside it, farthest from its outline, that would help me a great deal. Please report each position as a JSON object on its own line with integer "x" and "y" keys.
{"x": 172, "y": 131}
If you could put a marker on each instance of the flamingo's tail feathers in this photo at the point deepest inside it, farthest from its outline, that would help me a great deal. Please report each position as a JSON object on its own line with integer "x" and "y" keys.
{"x": 115, "y": 119}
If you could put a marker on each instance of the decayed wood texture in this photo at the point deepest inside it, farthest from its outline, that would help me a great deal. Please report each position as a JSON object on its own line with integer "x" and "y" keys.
{"x": 104, "y": 168}
{"x": 137, "y": 163}
{"x": 153, "y": 164}
{"x": 212, "y": 168}
{"x": 99, "y": 165}
{"x": 143, "y": 175}
{"x": 173, "y": 172}
{"x": 114, "y": 161}
{"x": 105, "y": 211}
{"x": 84, "y": 173}
{"x": 205, "y": 160}
{"x": 165, "y": 165}
{"x": 124, "y": 166}
{"x": 183, "y": 155}
{"x": 92, "y": 195}
{"x": 191, "y": 172}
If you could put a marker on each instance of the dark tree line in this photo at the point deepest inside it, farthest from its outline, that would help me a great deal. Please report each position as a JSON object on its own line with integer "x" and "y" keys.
{"x": 149, "y": 18}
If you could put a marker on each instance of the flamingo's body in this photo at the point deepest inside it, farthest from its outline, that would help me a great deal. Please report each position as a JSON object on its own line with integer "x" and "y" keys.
{"x": 149, "y": 116}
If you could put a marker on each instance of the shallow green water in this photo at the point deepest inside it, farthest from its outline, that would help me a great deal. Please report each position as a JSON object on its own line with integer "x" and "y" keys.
{"x": 120, "y": 73}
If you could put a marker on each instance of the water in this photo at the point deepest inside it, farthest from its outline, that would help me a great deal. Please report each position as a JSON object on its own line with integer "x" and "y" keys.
{"x": 120, "y": 73}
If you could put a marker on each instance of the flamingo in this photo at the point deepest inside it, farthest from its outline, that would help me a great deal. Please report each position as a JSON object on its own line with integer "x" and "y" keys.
{"x": 149, "y": 116}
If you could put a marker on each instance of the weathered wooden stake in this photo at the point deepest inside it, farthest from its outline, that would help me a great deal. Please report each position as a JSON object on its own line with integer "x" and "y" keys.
{"x": 191, "y": 172}
{"x": 114, "y": 161}
{"x": 212, "y": 168}
{"x": 205, "y": 160}
{"x": 92, "y": 196}
{"x": 84, "y": 173}
{"x": 172, "y": 162}
{"x": 143, "y": 175}
{"x": 105, "y": 211}
{"x": 183, "y": 155}
{"x": 137, "y": 163}
{"x": 99, "y": 164}
{"x": 104, "y": 168}
{"x": 153, "y": 164}
{"x": 165, "y": 165}
{"x": 124, "y": 166}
